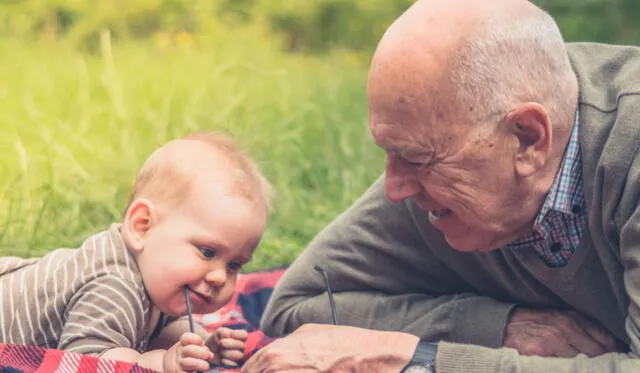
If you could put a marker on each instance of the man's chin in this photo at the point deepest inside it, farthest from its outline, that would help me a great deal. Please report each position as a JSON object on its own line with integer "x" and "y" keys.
{"x": 468, "y": 245}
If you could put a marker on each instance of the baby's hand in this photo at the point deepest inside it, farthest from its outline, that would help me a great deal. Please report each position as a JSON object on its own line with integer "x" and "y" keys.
{"x": 228, "y": 345}
{"x": 189, "y": 354}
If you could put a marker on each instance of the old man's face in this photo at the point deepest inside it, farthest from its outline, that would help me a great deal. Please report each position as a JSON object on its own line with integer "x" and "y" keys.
{"x": 461, "y": 177}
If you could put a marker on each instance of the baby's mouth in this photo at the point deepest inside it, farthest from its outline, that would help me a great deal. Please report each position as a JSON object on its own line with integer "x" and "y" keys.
{"x": 204, "y": 298}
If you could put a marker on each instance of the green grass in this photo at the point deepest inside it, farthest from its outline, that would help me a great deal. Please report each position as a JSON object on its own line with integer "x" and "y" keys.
{"x": 75, "y": 127}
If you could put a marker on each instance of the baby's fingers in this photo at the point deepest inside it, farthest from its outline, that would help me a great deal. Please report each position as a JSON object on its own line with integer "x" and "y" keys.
{"x": 191, "y": 339}
{"x": 191, "y": 364}
{"x": 239, "y": 334}
{"x": 197, "y": 352}
{"x": 231, "y": 344}
{"x": 231, "y": 357}
{"x": 229, "y": 363}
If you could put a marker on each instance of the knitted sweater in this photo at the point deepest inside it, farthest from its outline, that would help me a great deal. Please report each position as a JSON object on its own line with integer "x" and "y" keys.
{"x": 391, "y": 270}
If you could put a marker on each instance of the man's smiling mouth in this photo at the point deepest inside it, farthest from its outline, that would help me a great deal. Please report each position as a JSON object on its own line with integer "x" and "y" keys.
{"x": 439, "y": 214}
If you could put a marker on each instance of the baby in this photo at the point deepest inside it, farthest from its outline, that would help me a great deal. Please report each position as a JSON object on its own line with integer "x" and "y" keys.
{"x": 198, "y": 210}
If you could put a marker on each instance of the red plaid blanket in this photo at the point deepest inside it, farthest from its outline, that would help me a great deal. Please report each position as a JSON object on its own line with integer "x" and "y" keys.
{"x": 244, "y": 311}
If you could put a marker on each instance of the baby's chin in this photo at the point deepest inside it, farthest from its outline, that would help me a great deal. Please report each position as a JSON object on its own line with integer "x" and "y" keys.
{"x": 210, "y": 309}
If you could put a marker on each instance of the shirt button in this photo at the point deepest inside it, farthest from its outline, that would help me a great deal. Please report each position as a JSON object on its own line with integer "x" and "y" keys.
{"x": 555, "y": 247}
{"x": 575, "y": 209}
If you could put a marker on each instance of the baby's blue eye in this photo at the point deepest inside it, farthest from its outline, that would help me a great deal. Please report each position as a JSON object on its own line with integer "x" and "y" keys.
{"x": 207, "y": 252}
{"x": 234, "y": 266}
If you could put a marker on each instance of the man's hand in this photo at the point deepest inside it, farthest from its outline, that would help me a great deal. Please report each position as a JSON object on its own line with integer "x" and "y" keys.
{"x": 228, "y": 345}
{"x": 557, "y": 333}
{"x": 329, "y": 348}
{"x": 187, "y": 355}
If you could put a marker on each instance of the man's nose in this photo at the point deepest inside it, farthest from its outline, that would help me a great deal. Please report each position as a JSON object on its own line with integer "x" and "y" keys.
{"x": 400, "y": 181}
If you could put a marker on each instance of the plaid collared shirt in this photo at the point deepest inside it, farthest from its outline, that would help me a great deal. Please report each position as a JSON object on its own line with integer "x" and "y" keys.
{"x": 559, "y": 226}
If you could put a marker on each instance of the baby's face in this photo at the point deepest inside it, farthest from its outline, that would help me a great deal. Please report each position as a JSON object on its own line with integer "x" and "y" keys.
{"x": 202, "y": 244}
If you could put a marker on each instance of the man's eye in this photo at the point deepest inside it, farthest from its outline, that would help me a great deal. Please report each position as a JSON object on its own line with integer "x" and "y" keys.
{"x": 234, "y": 266}
{"x": 207, "y": 252}
{"x": 414, "y": 164}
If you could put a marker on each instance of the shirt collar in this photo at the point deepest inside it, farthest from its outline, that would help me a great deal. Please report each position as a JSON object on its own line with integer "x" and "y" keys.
{"x": 565, "y": 192}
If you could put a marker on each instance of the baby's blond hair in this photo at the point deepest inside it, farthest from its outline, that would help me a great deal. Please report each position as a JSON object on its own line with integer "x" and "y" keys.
{"x": 165, "y": 179}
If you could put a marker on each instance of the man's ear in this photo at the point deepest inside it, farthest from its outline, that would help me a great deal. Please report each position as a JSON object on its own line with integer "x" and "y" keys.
{"x": 139, "y": 219}
{"x": 531, "y": 125}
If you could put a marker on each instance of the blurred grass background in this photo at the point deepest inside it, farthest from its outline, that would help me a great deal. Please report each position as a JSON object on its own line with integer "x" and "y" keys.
{"x": 89, "y": 88}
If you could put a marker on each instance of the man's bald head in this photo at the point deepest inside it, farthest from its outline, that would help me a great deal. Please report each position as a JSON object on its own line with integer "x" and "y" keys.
{"x": 472, "y": 61}
{"x": 168, "y": 174}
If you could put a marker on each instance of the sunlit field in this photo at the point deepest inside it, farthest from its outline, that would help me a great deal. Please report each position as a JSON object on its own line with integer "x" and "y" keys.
{"x": 76, "y": 125}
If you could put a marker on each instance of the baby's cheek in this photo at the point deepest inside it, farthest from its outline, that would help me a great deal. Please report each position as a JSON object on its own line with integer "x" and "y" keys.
{"x": 229, "y": 290}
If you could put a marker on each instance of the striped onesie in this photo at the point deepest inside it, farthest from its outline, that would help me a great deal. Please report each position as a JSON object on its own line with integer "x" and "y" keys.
{"x": 85, "y": 300}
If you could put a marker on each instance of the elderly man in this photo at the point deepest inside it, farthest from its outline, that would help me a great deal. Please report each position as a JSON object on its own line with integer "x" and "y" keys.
{"x": 509, "y": 238}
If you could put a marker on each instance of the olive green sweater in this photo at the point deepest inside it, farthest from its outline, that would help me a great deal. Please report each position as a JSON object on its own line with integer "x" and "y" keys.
{"x": 390, "y": 270}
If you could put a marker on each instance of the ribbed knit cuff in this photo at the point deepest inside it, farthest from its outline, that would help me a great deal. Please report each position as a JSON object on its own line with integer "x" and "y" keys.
{"x": 462, "y": 358}
{"x": 481, "y": 322}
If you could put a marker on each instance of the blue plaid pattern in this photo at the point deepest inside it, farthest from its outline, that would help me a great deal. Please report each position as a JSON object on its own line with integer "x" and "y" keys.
{"x": 560, "y": 224}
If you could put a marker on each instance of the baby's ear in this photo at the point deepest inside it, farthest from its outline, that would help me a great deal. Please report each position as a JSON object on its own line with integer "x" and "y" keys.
{"x": 138, "y": 221}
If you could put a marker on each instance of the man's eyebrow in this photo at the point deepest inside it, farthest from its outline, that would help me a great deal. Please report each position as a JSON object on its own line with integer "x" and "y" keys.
{"x": 417, "y": 153}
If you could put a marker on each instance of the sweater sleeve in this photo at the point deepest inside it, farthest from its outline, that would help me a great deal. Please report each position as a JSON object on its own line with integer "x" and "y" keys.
{"x": 106, "y": 313}
{"x": 384, "y": 275}
{"x": 458, "y": 358}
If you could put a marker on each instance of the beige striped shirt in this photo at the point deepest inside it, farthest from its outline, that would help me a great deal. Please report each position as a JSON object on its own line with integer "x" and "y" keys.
{"x": 86, "y": 300}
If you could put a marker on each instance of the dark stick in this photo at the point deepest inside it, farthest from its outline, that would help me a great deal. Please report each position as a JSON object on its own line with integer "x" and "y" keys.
{"x": 189, "y": 314}
{"x": 332, "y": 303}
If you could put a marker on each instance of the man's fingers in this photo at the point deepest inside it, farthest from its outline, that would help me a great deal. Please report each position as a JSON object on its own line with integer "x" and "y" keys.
{"x": 544, "y": 341}
{"x": 587, "y": 346}
{"x": 535, "y": 339}
{"x": 265, "y": 359}
{"x": 557, "y": 333}
{"x": 572, "y": 329}
{"x": 562, "y": 350}
{"x": 597, "y": 332}
{"x": 252, "y": 365}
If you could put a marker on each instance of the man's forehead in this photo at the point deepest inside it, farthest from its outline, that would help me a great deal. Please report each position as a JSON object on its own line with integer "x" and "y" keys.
{"x": 417, "y": 137}
{"x": 399, "y": 138}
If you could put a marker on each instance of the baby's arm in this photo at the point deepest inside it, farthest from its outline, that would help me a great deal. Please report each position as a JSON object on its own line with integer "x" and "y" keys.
{"x": 105, "y": 313}
{"x": 151, "y": 359}
{"x": 107, "y": 318}
{"x": 127, "y": 355}
{"x": 228, "y": 345}
{"x": 187, "y": 355}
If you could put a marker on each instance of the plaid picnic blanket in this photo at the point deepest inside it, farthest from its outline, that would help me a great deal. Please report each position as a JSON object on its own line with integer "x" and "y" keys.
{"x": 243, "y": 311}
